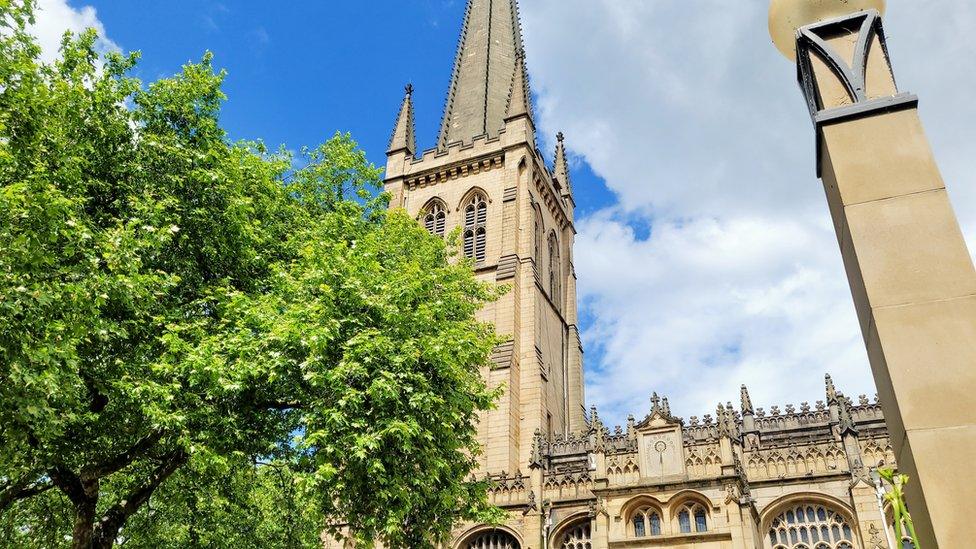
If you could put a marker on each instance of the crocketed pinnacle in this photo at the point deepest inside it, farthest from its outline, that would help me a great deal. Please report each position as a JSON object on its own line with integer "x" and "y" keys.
{"x": 846, "y": 422}
{"x": 488, "y": 53}
{"x": 746, "y": 401}
{"x": 561, "y": 172}
{"x": 721, "y": 420}
{"x": 403, "y": 138}
{"x": 831, "y": 391}
{"x": 519, "y": 102}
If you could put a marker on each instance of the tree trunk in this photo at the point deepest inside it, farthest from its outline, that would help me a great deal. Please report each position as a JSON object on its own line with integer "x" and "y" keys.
{"x": 83, "y": 533}
{"x": 104, "y": 541}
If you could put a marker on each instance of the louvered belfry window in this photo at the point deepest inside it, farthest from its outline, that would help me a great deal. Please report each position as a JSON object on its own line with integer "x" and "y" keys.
{"x": 435, "y": 220}
{"x": 475, "y": 233}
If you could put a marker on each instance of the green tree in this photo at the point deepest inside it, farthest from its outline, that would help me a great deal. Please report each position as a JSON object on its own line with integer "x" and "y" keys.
{"x": 234, "y": 503}
{"x": 173, "y": 305}
{"x": 238, "y": 504}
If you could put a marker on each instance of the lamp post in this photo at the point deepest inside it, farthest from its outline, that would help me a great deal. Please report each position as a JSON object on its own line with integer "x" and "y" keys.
{"x": 910, "y": 273}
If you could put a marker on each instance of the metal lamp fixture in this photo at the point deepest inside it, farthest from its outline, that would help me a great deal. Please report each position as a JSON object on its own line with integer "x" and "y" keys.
{"x": 785, "y": 16}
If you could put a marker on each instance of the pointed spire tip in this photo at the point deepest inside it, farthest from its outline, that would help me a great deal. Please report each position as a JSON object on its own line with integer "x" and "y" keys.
{"x": 403, "y": 138}
{"x": 489, "y": 55}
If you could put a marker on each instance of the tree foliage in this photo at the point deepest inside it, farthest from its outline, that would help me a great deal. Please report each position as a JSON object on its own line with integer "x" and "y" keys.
{"x": 175, "y": 307}
{"x": 227, "y": 505}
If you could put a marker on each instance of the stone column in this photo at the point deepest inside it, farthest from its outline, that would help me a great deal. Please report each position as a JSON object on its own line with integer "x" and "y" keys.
{"x": 532, "y": 529}
{"x": 535, "y": 516}
{"x": 600, "y": 535}
{"x": 911, "y": 275}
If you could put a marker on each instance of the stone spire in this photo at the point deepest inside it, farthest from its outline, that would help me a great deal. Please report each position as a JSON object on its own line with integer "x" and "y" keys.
{"x": 489, "y": 52}
{"x": 403, "y": 138}
{"x": 746, "y": 401}
{"x": 561, "y": 173}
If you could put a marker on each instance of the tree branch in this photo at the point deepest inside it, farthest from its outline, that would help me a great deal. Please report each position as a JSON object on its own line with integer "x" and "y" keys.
{"x": 25, "y": 487}
{"x": 69, "y": 483}
{"x": 115, "y": 517}
{"x": 122, "y": 460}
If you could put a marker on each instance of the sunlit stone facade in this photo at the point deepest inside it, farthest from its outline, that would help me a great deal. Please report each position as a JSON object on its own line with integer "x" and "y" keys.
{"x": 744, "y": 477}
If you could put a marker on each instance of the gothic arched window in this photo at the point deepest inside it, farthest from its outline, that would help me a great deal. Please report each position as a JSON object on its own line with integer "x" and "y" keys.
{"x": 810, "y": 526}
{"x": 577, "y": 537}
{"x": 475, "y": 232}
{"x": 495, "y": 539}
{"x": 435, "y": 219}
{"x": 647, "y": 522}
{"x": 692, "y": 517}
{"x": 555, "y": 268}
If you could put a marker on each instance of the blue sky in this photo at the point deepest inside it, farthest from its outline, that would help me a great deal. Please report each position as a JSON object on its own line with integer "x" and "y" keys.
{"x": 705, "y": 255}
{"x": 299, "y": 71}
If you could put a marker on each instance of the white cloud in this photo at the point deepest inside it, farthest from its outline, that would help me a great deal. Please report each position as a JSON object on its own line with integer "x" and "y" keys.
{"x": 54, "y": 17}
{"x": 696, "y": 124}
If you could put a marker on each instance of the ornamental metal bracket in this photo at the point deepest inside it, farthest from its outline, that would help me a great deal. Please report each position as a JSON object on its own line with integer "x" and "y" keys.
{"x": 812, "y": 40}
{"x": 837, "y": 90}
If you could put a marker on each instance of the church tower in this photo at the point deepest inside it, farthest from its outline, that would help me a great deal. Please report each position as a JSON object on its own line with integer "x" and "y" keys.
{"x": 486, "y": 176}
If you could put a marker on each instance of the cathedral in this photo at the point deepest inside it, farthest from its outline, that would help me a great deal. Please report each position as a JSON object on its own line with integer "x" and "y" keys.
{"x": 738, "y": 477}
